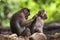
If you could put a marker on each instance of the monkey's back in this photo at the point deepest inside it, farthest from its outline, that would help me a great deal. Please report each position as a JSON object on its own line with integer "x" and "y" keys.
{"x": 13, "y": 25}
{"x": 39, "y": 24}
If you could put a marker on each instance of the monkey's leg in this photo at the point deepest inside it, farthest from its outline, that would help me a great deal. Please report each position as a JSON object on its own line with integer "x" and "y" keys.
{"x": 26, "y": 32}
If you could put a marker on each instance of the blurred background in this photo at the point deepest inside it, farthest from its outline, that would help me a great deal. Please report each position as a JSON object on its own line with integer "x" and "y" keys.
{"x": 9, "y": 7}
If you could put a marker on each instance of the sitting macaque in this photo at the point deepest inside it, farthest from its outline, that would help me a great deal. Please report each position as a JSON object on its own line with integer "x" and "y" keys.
{"x": 37, "y": 24}
{"x": 19, "y": 23}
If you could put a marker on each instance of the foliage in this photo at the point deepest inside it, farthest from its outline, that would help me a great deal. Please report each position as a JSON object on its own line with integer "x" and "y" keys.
{"x": 9, "y": 7}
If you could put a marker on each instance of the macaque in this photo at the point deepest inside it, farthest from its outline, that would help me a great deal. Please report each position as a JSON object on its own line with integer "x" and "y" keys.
{"x": 37, "y": 24}
{"x": 19, "y": 23}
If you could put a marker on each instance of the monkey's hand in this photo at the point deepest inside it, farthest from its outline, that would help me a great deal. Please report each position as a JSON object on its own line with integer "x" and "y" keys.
{"x": 26, "y": 23}
{"x": 34, "y": 17}
{"x": 29, "y": 22}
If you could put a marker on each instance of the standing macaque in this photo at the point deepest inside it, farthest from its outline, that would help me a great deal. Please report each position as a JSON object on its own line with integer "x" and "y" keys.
{"x": 19, "y": 23}
{"x": 37, "y": 24}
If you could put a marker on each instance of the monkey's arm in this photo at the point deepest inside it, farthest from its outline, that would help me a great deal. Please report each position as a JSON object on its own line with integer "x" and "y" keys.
{"x": 27, "y": 23}
{"x": 24, "y": 21}
{"x": 19, "y": 28}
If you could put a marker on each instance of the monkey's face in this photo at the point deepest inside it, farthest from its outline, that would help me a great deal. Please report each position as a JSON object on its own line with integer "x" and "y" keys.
{"x": 43, "y": 15}
{"x": 27, "y": 13}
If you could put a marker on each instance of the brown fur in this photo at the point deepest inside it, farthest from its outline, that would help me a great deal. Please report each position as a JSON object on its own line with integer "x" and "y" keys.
{"x": 37, "y": 24}
{"x": 19, "y": 23}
